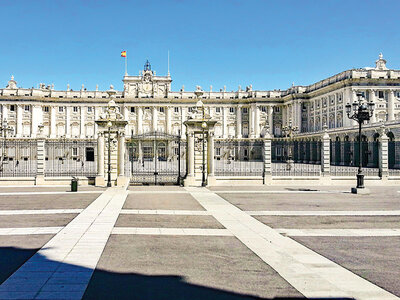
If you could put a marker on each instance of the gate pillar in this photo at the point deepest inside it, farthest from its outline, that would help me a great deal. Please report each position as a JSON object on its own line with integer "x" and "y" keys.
{"x": 111, "y": 145}
{"x": 199, "y": 124}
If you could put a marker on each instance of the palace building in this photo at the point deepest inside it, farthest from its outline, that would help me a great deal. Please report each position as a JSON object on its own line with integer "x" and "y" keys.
{"x": 148, "y": 104}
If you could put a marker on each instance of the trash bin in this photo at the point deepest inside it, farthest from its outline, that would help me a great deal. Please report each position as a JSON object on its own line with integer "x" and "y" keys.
{"x": 74, "y": 184}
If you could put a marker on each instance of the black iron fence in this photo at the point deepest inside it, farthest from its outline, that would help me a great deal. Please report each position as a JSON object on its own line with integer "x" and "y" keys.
{"x": 239, "y": 158}
{"x": 296, "y": 158}
{"x": 394, "y": 158}
{"x": 345, "y": 158}
{"x": 70, "y": 158}
{"x": 18, "y": 158}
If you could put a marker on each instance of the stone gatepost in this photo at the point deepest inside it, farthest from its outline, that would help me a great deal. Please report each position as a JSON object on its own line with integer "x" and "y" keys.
{"x": 384, "y": 153}
{"x": 267, "y": 157}
{"x": 199, "y": 126}
{"x": 326, "y": 154}
{"x": 111, "y": 145}
{"x": 41, "y": 157}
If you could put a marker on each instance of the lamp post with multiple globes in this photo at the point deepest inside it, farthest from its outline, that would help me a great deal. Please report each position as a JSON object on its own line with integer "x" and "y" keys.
{"x": 360, "y": 111}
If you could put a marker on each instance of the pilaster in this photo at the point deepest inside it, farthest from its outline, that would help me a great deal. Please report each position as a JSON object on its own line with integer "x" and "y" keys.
{"x": 391, "y": 105}
{"x": 326, "y": 154}
{"x": 100, "y": 160}
{"x": 82, "y": 122}
{"x": 68, "y": 121}
{"x": 384, "y": 154}
{"x": 139, "y": 120}
{"x": 155, "y": 118}
{"x": 53, "y": 128}
{"x": 210, "y": 159}
{"x": 239, "y": 122}
{"x": 19, "y": 121}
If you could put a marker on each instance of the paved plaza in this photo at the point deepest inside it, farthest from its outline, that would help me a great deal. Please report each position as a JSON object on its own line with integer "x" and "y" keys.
{"x": 170, "y": 242}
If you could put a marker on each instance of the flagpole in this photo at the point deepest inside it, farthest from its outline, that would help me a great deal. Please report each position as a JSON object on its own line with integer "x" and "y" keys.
{"x": 126, "y": 65}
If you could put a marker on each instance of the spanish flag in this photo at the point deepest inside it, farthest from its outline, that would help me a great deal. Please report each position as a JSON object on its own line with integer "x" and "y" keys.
{"x": 123, "y": 54}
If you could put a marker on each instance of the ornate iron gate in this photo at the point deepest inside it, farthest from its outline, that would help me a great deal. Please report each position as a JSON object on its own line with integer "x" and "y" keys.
{"x": 155, "y": 158}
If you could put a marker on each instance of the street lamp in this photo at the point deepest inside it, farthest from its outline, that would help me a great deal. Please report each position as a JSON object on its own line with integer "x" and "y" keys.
{"x": 289, "y": 130}
{"x": 109, "y": 125}
{"x": 360, "y": 111}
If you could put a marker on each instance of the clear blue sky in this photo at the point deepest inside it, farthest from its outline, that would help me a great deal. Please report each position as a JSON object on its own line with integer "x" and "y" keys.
{"x": 268, "y": 44}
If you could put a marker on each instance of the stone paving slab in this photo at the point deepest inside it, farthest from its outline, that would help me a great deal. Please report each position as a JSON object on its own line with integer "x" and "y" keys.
{"x": 15, "y": 250}
{"x": 310, "y": 273}
{"x": 339, "y": 232}
{"x": 322, "y": 222}
{"x": 323, "y": 213}
{"x": 388, "y": 200}
{"x": 293, "y": 188}
{"x": 39, "y": 212}
{"x": 183, "y": 267}
{"x": 56, "y": 201}
{"x": 29, "y": 230}
{"x": 171, "y": 231}
{"x": 167, "y": 221}
{"x": 36, "y": 220}
{"x": 46, "y": 189}
{"x": 159, "y": 201}
{"x": 156, "y": 188}
{"x": 164, "y": 212}
{"x": 373, "y": 258}
{"x": 75, "y": 249}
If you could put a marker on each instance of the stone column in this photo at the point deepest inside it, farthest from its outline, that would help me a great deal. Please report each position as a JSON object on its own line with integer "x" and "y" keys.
{"x": 271, "y": 120}
{"x": 284, "y": 115}
{"x": 125, "y": 113}
{"x": 82, "y": 122}
{"x": 35, "y": 119}
{"x": 100, "y": 160}
{"x": 391, "y": 105}
{"x": 41, "y": 160}
{"x": 267, "y": 158}
{"x": 210, "y": 159}
{"x": 251, "y": 121}
{"x": 190, "y": 153}
{"x": 168, "y": 125}
{"x": 238, "y": 122}
{"x": 155, "y": 118}
{"x": 225, "y": 111}
{"x": 325, "y": 154}
{"x": 384, "y": 154}
{"x": 96, "y": 117}
{"x": 372, "y": 99}
{"x": 257, "y": 121}
{"x": 139, "y": 120}
{"x": 19, "y": 121}
{"x": 183, "y": 119}
{"x": 298, "y": 114}
{"x": 68, "y": 121}
{"x": 53, "y": 127}
{"x": 5, "y": 112}
{"x": 121, "y": 179}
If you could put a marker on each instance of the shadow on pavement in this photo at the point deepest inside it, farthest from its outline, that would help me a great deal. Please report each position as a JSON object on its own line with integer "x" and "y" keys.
{"x": 112, "y": 285}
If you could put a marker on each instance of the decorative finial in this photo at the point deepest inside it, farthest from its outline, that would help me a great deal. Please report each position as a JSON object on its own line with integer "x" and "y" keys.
{"x": 380, "y": 55}
{"x": 210, "y": 88}
{"x": 147, "y": 66}
{"x": 12, "y": 77}
{"x": 381, "y": 63}
{"x": 97, "y": 87}
{"x": 83, "y": 87}
{"x": 68, "y": 87}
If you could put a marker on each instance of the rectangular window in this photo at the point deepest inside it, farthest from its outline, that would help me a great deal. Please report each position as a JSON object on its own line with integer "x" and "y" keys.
{"x": 89, "y": 154}
{"x": 176, "y": 109}
{"x": 89, "y": 109}
{"x": 75, "y": 109}
{"x": 263, "y": 109}
{"x": 74, "y": 151}
{"x": 244, "y": 110}
{"x": 132, "y": 109}
{"x": 161, "y": 109}
{"x": 46, "y": 109}
{"x": 381, "y": 95}
{"x": 12, "y": 107}
{"x": 147, "y": 107}
{"x": 190, "y": 109}
{"x": 218, "y": 109}
{"x": 232, "y": 110}
{"x": 27, "y": 108}
{"x": 61, "y": 109}
{"x": 277, "y": 109}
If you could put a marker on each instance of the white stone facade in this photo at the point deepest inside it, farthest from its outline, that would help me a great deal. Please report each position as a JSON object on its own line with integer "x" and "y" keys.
{"x": 149, "y": 105}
